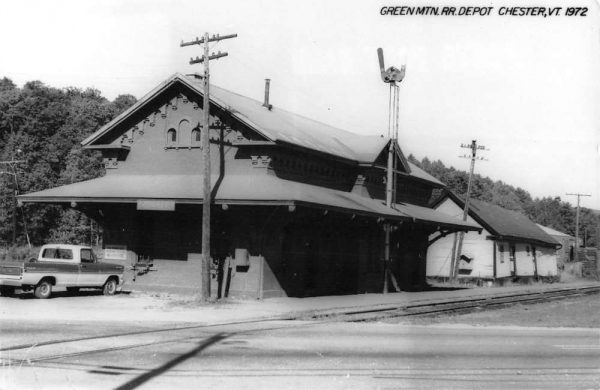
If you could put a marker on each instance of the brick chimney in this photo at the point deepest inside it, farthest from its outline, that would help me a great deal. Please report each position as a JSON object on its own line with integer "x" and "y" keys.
{"x": 266, "y": 102}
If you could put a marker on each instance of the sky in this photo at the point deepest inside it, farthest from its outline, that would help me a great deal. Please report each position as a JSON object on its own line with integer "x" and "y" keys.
{"x": 525, "y": 87}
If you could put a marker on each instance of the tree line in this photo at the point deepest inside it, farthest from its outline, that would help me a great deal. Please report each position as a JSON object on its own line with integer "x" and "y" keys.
{"x": 548, "y": 211}
{"x": 43, "y": 127}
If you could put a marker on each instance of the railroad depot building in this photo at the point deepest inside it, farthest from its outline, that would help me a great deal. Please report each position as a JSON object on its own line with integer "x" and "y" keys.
{"x": 510, "y": 245}
{"x": 297, "y": 206}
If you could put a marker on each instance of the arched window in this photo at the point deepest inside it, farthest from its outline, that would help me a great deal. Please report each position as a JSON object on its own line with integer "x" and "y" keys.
{"x": 184, "y": 132}
{"x": 172, "y": 137}
{"x": 196, "y": 137}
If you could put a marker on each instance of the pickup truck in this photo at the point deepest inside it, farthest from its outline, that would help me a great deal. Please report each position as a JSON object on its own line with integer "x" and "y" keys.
{"x": 57, "y": 265}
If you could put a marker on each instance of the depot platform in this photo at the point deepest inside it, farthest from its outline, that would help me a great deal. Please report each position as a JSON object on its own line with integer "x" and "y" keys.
{"x": 173, "y": 309}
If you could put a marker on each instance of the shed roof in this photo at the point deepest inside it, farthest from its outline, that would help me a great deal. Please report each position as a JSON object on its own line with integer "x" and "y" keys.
{"x": 502, "y": 223}
{"x": 419, "y": 173}
{"x": 235, "y": 189}
{"x": 553, "y": 232}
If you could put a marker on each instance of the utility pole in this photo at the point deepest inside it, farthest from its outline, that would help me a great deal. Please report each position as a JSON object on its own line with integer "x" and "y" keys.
{"x": 577, "y": 224}
{"x": 456, "y": 259}
{"x": 205, "y": 141}
{"x": 12, "y": 164}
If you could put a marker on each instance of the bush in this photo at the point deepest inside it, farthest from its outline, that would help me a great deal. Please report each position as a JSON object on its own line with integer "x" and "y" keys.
{"x": 18, "y": 253}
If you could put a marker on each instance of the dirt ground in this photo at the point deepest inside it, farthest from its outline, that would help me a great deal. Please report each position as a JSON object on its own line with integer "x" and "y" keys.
{"x": 578, "y": 312}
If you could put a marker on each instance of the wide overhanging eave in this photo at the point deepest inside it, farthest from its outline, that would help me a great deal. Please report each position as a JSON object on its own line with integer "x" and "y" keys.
{"x": 392, "y": 217}
{"x": 525, "y": 240}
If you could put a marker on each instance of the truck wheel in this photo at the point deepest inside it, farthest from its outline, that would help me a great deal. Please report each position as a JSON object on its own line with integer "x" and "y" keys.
{"x": 110, "y": 287}
{"x": 43, "y": 290}
{"x": 7, "y": 291}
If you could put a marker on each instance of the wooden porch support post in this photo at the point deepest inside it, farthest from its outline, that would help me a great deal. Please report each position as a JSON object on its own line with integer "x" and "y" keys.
{"x": 495, "y": 266}
{"x": 512, "y": 252}
{"x": 453, "y": 257}
{"x": 386, "y": 258}
{"x": 535, "y": 269}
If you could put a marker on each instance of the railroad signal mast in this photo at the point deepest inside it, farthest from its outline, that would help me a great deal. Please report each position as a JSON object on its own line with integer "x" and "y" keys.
{"x": 205, "y": 142}
{"x": 457, "y": 254}
{"x": 392, "y": 76}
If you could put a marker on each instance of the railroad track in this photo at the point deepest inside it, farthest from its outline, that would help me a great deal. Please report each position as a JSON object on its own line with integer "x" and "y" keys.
{"x": 459, "y": 305}
{"x": 73, "y": 347}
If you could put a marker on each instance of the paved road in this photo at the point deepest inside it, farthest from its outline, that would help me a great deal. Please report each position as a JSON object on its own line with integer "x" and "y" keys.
{"x": 291, "y": 354}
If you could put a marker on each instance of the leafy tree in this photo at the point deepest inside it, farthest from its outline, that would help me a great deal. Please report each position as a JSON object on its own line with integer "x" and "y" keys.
{"x": 44, "y": 127}
{"x": 73, "y": 227}
{"x": 122, "y": 102}
{"x": 7, "y": 84}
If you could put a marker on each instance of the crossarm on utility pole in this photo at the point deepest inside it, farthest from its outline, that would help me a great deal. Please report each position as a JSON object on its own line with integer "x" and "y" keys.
{"x": 211, "y": 57}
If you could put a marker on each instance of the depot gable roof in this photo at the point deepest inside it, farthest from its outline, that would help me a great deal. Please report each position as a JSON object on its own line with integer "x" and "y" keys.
{"x": 275, "y": 124}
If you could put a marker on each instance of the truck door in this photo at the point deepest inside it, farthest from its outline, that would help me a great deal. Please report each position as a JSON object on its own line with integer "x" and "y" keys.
{"x": 90, "y": 273}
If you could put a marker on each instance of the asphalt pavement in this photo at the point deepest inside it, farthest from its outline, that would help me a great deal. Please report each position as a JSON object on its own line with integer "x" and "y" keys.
{"x": 130, "y": 341}
{"x": 307, "y": 355}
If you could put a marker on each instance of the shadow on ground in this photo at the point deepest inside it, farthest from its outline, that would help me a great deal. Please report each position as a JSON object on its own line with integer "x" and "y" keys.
{"x": 444, "y": 288}
{"x": 64, "y": 294}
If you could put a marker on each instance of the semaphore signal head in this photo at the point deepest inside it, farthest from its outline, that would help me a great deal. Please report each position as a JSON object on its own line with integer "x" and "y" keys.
{"x": 391, "y": 75}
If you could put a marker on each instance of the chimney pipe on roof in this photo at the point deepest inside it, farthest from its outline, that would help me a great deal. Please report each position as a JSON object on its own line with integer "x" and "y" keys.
{"x": 266, "y": 103}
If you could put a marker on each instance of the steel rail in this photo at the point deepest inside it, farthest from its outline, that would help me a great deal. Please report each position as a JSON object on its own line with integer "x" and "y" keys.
{"x": 137, "y": 333}
{"x": 436, "y": 308}
{"x": 187, "y": 338}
